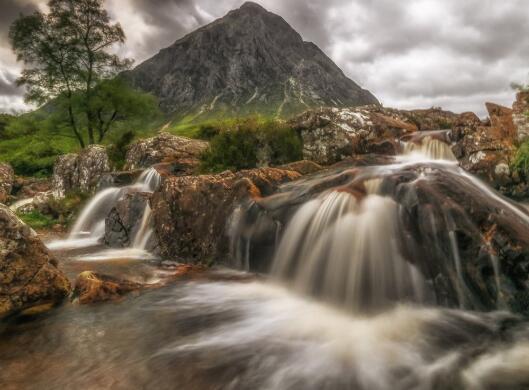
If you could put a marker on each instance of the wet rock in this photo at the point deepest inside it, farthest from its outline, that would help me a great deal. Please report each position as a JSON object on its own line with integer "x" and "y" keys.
{"x": 431, "y": 119}
{"x": 29, "y": 276}
{"x": 330, "y": 134}
{"x": 125, "y": 220}
{"x": 166, "y": 148}
{"x": 303, "y": 167}
{"x": 91, "y": 287}
{"x": 192, "y": 213}
{"x": 520, "y": 117}
{"x": 80, "y": 172}
{"x": 7, "y": 178}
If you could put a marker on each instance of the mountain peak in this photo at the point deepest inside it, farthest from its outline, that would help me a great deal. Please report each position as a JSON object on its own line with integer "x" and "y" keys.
{"x": 253, "y": 6}
{"x": 241, "y": 65}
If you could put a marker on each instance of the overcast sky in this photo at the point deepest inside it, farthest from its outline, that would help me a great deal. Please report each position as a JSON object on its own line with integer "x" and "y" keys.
{"x": 412, "y": 53}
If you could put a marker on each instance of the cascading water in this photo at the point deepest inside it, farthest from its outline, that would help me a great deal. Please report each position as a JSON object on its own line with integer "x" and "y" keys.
{"x": 89, "y": 227}
{"x": 365, "y": 239}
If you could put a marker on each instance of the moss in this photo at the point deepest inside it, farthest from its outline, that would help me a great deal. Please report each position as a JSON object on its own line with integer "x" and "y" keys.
{"x": 37, "y": 220}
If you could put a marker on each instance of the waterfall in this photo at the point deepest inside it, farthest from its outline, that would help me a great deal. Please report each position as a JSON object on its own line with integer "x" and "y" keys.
{"x": 363, "y": 239}
{"x": 346, "y": 250}
{"x": 428, "y": 148}
{"x": 89, "y": 228}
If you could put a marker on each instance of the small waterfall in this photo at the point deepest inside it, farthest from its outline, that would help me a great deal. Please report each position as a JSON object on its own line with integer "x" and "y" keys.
{"x": 89, "y": 227}
{"x": 428, "y": 148}
{"x": 345, "y": 249}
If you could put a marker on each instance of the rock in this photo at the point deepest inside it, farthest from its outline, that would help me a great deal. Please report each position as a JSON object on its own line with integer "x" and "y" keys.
{"x": 80, "y": 172}
{"x": 7, "y": 178}
{"x": 303, "y": 167}
{"x": 29, "y": 276}
{"x": 92, "y": 287}
{"x": 520, "y": 115}
{"x": 466, "y": 124}
{"x": 329, "y": 134}
{"x": 28, "y": 187}
{"x": 167, "y": 148}
{"x": 481, "y": 152}
{"x": 191, "y": 213}
{"x": 125, "y": 221}
{"x": 501, "y": 119}
{"x": 431, "y": 119}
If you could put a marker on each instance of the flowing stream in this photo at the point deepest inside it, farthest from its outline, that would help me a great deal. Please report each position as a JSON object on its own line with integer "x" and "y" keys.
{"x": 89, "y": 228}
{"x": 343, "y": 306}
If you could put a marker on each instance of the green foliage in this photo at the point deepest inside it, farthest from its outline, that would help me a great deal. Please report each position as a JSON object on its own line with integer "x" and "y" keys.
{"x": 240, "y": 146}
{"x": 521, "y": 160}
{"x": 66, "y": 56}
{"x": 5, "y": 120}
{"x": 37, "y": 220}
{"x": 117, "y": 151}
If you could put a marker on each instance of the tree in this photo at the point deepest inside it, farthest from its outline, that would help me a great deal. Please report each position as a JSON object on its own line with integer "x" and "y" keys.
{"x": 66, "y": 57}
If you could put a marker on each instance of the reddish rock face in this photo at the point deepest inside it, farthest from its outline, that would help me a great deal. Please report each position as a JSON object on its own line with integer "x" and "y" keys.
{"x": 192, "y": 213}
{"x": 7, "y": 178}
{"x": 28, "y": 273}
{"x": 501, "y": 121}
{"x": 184, "y": 153}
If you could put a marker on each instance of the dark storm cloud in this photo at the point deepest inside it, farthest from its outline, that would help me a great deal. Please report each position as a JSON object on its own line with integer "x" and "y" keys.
{"x": 411, "y": 53}
{"x": 9, "y": 11}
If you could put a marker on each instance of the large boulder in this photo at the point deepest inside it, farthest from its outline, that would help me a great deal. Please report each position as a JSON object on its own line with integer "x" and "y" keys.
{"x": 192, "y": 213}
{"x": 7, "y": 178}
{"x": 330, "y": 134}
{"x": 520, "y": 115}
{"x": 167, "y": 148}
{"x": 80, "y": 172}
{"x": 29, "y": 276}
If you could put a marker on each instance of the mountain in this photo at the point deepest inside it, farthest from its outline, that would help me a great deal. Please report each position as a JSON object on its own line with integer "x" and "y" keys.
{"x": 249, "y": 61}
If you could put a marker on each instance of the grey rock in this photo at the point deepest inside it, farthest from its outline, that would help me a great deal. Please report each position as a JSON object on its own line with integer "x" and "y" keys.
{"x": 80, "y": 172}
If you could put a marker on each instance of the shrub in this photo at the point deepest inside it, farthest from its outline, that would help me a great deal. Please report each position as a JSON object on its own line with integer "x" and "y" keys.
{"x": 521, "y": 160}
{"x": 238, "y": 147}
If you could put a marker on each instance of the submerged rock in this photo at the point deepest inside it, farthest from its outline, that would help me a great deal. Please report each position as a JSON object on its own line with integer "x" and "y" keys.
{"x": 167, "y": 148}
{"x": 7, "y": 178}
{"x": 29, "y": 276}
{"x": 80, "y": 172}
{"x": 92, "y": 287}
{"x": 191, "y": 213}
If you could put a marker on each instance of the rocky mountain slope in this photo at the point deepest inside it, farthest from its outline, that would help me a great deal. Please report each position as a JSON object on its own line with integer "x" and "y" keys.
{"x": 249, "y": 61}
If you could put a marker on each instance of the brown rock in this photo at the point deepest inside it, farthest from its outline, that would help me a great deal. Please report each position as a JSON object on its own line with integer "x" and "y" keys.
{"x": 92, "y": 287}
{"x": 165, "y": 148}
{"x": 303, "y": 167}
{"x": 28, "y": 273}
{"x": 191, "y": 213}
{"x": 501, "y": 121}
